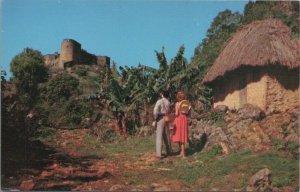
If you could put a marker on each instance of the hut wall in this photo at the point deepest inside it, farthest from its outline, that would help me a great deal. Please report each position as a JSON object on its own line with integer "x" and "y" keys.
{"x": 256, "y": 88}
{"x": 228, "y": 92}
{"x": 282, "y": 90}
{"x": 271, "y": 89}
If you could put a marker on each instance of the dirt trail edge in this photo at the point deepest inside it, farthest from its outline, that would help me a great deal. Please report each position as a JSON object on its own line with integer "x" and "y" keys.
{"x": 68, "y": 170}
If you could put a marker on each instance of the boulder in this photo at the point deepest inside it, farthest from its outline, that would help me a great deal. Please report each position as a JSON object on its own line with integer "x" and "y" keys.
{"x": 249, "y": 111}
{"x": 27, "y": 185}
{"x": 295, "y": 113}
{"x": 231, "y": 117}
{"x": 221, "y": 108}
{"x": 225, "y": 148}
{"x": 217, "y": 136}
{"x": 293, "y": 126}
{"x": 261, "y": 181}
{"x": 160, "y": 187}
{"x": 292, "y": 138}
{"x": 116, "y": 188}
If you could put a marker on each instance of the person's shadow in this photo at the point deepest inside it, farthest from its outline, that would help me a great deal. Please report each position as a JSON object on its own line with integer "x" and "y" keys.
{"x": 196, "y": 146}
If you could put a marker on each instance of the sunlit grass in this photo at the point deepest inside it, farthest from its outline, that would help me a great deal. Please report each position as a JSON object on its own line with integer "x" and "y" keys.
{"x": 131, "y": 147}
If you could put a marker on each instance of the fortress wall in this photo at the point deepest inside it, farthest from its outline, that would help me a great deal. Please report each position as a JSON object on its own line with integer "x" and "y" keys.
{"x": 70, "y": 52}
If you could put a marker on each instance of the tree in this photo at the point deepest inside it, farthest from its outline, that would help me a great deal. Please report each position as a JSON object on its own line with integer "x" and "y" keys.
{"x": 118, "y": 100}
{"x": 173, "y": 76}
{"x": 61, "y": 102}
{"x": 221, "y": 29}
{"x": 141, "y": 93}
{"x": 60, "y": 88}
{"x": 28, "y": 70}
{"x": 286, "y": 11}
{"x": 129, "y": 92}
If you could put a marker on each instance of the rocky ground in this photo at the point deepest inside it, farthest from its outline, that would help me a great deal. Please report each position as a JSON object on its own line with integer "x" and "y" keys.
{"x": 247, "y": 128}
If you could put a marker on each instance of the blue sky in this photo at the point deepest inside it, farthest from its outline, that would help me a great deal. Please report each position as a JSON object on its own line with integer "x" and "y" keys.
{"x": 128, "y": 31}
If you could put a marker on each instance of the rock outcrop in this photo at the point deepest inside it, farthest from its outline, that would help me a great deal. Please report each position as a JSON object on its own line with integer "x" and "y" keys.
{"x": 247, "y": 128}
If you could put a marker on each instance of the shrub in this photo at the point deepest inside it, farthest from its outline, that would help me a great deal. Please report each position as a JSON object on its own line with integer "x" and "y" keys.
{"x": 81, "y": 72}
{"x": 60, "y": 89}
{"x": 216, "y": 150}
{"x": 284, "y": 129}
{"x": 288, "y": 146}
{"x": 217, "y": 118}
{"x": 76, "y": 110}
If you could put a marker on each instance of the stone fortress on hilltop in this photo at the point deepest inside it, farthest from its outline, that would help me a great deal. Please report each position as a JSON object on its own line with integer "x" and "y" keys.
{"x": 71, "y": 54}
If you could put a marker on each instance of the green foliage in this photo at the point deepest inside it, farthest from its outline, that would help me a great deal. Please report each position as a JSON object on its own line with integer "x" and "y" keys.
{"x": 19, "y": 110}
{"x": 82, "y": 72}
{"x": 216, "y": 150}
{"x": 162, "y": 60}
{"x": 114, "y": 71}
{"x": 291, "y": 147}
{"x": 288, "y": 12}
{"x": 204, "y": 95}
{"x": 128, "y": 90}
{"x": 28, "y": 70}
{"x": 175, "y": 76}
{"x": 62, "y": 103}
{"x": 76, "y": 111}
{"x": 281, "y": 181}
{"x": 178, "y": 75}
{"x": 217, "y": 118}
{"x": 284, "y": 129}
{"x": 108, "y": 136}
{"x": 261, "y": 9}
{"x": 60, "y": 88}
{"x": 69, "y": 113}
{"x": 221, "y": 29}
{"x": 278, "y": 144}
{"x": 46, "y": 133}
{"x": 132, "y": 87}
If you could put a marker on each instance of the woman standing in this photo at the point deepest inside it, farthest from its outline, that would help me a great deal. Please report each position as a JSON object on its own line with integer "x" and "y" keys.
{"x": 180, "y": 132}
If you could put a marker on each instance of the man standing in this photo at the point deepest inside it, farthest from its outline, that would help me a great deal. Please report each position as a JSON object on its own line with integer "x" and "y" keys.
{"x": 162, "y": 108}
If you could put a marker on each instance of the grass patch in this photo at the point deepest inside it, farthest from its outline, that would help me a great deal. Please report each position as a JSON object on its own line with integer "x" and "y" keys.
{"x": 131, "y": 147}
{"x": 232, "y": 171}
{"x": 243, "y": 164}
{"x": 281, "y": 181}
{"x": 290, "y": 147}
{"x": 46, "y": 134}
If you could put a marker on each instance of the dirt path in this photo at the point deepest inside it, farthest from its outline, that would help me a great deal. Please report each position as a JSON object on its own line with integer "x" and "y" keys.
{"x": 69, "y": 170}
{"x": 62, "y": 164}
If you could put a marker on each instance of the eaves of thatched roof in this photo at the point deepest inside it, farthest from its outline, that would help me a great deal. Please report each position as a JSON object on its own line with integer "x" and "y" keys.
{"x": 260, "y": 43}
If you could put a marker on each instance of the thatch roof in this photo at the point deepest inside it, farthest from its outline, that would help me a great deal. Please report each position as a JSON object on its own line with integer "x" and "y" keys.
{"x": 259, "y": 43}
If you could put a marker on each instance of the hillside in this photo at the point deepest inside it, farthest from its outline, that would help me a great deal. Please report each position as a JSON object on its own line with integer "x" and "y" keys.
{"x": 76, "y": 160}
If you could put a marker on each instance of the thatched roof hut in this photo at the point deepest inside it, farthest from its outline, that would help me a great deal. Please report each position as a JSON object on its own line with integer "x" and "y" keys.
{"x": 257, "y": 44}
{"x": 259, "y": 65}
